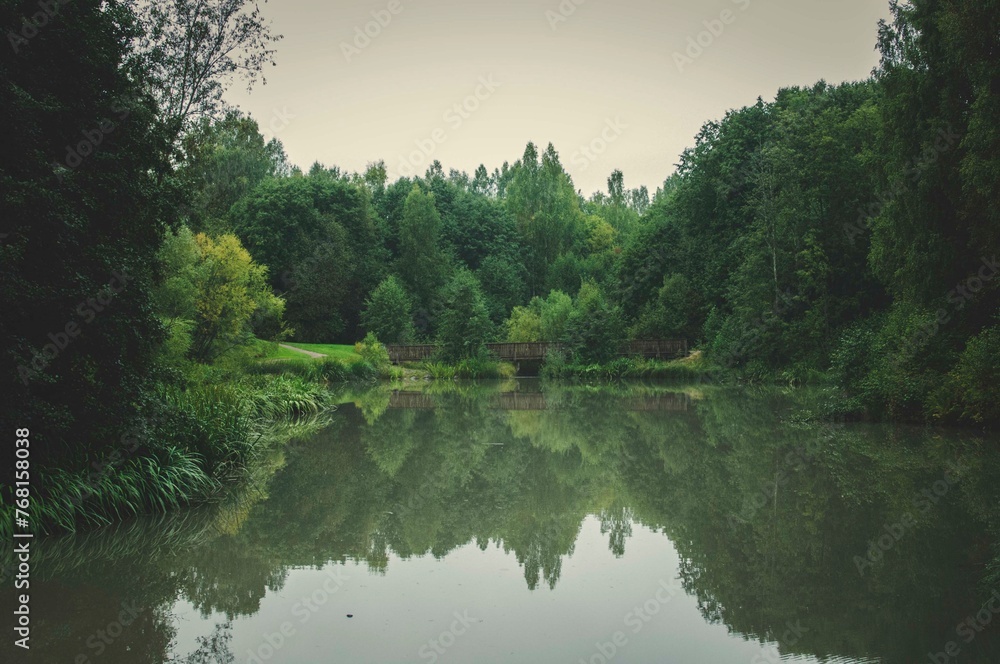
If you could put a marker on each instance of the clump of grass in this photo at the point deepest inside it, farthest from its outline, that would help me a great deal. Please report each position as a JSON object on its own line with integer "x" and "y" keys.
{"x": 283, "y": 396}
{"x": 214, "y": 422}
{"x": 472, "y": 368}
{"x": 157, "y": 482}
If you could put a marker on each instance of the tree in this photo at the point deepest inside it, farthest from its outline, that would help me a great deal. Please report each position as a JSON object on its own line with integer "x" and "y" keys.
{"x": 421, "y": 264}
{"x": 317, "y": 234}
{"x": 594, "y": 330}
{"x": 319, "y": 297}
{"x": 85, "y": 198}
{"x": 231, "y": 288}
{"x": 669, "y": 316}
{"x": 525, "y": 323}
{"x": 191, "y": 51}
{"x": 546, "y": 210}
{"x": 388, "y": 313}
{"x": 503, "y": 283}
{"x": 465, "y": 324}
{"x": 223, "y": 161}
{"x": 555, "y": 311}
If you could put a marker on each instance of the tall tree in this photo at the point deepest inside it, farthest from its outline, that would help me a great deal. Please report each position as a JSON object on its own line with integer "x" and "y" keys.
{"x": 547, "y": 211}
{"x": 465, "y": 325}
{"x": 388, "y": 313}
{"x": 81, "y": 217}
{"x": 223, "y": 161}
{"x": 191, "y": 51}
{"x": 421, "y": 263}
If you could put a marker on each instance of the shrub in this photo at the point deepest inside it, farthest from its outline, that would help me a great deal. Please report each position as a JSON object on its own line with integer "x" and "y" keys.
{"x": 972, "y": 390}
{"x": 373, "y": 352}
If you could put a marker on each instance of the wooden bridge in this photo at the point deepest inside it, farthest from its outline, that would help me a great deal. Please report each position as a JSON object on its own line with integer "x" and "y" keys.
{"x": 657, "y": 349}
{"x": 668, "y": 401}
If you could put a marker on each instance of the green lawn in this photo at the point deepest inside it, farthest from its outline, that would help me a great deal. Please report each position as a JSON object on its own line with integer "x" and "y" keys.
{"x": 343, "y": 353}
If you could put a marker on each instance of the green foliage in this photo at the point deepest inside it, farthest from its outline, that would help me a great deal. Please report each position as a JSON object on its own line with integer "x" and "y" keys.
{"x": 318, "y": 236}
{"x": 224, "y": 160}
{"x": 72, "y": 218}
{"x": 167, "y": 479}
{"x": 465, "y": 325}
{"x": 388, "y": 313}
{"x": 525, "y": 324}
{"x": 421, "y": 263}
{"x": 972, "y": 389}
{"x": 669, "y": 316}
{"x": 474, "y": 368}
{"x": 594, "y": 330}
{"x": 212, "y": 294}
{"x": 503, "y": 285}
{"x": 546, "y": 210}
{"x": 373, "y": 352}
{"x": 554, "y": 315}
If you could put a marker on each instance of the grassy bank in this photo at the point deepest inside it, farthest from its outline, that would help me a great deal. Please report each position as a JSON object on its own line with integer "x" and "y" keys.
{"x": 199, "y": 438}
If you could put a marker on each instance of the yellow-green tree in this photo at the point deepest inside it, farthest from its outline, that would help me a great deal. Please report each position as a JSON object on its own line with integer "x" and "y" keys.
{"x": 212, "y": 295}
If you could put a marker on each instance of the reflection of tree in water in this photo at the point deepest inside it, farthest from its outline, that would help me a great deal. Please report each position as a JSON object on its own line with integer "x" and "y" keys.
{"x": 425, "y": 482}
{"x": 240, "y": 578}
{"x": 212, "y": 649}
{"x": 616, "y": 521}
{"x": 768, "y": 537}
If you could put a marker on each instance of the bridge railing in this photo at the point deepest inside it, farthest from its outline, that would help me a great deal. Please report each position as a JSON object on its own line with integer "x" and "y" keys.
{"x": 662, "y": 349}
{"x": 416, "y": 353}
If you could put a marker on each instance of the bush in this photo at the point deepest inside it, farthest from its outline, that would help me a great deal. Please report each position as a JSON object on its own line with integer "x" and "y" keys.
{"x": 373, "y": 352}
{"x": 888, "y": 364}
{"x": 595, "y": 329}
{"x": 972, "y": 390}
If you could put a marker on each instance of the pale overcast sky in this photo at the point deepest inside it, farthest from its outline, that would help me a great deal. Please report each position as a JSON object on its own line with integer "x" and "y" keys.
{"x": 577, "y": 73}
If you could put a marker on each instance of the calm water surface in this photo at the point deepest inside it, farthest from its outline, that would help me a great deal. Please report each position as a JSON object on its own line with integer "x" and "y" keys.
{"x": 515, "y": 522}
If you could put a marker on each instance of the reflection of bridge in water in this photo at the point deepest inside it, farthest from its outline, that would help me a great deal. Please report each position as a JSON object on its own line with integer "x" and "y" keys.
{"x": 672, "y": 401}
{"x": 667, "y": 349}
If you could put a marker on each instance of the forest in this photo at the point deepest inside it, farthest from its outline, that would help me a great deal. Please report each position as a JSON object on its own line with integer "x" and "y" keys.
{"x": 155, "y": 245}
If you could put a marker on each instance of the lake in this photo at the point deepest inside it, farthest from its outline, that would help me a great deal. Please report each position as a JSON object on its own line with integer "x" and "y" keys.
{"x": 526, "y": 522}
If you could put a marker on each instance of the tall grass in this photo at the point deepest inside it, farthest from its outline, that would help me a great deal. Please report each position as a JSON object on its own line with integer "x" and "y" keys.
{"x": 156, "y": 482}
{"x": 201, "y": 438}
{"x": 473, "y": 368}
{"x": 328, "y": 370}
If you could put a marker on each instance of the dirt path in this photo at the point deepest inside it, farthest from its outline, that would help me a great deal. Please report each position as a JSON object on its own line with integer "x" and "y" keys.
{"x": 315, "y": 356}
